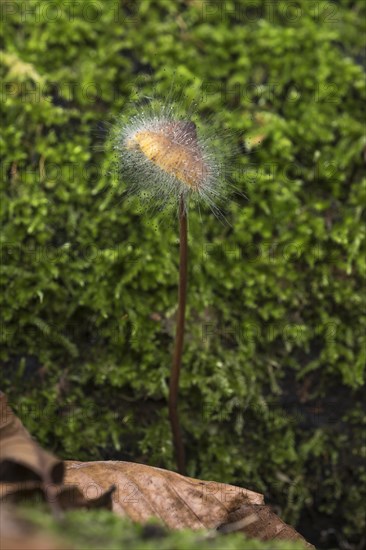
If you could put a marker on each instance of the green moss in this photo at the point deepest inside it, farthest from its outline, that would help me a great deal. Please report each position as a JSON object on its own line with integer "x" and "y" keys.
{"x": 275, "y": 349}
{"x": 96, "y": 529}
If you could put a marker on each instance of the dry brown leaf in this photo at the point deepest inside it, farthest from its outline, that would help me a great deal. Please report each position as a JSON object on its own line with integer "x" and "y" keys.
{"x": 180, "y": 502}
{"x": 21, "y": 458}
{"x": 129, "y": 489}
{"x": 28, "y": 472}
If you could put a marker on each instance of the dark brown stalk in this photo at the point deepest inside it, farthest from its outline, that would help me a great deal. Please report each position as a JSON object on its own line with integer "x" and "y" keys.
{"x": 179, "y": 338}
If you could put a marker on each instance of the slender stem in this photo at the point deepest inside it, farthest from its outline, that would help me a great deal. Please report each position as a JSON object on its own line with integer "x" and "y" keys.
{"x": 179, "y": 338}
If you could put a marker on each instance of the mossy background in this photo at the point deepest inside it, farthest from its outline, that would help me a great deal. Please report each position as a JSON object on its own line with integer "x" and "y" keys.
{"x": 275, "y": 350}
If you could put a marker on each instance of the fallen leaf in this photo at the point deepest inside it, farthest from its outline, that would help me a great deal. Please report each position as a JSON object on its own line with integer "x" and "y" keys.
{"x": 180, "y": 502}
{"x": 28, "y": 472}
{"x": 134, "y": 490}
{"x": 21, "y": 458}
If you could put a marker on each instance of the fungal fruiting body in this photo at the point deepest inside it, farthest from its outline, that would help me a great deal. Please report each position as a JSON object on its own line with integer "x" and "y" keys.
{"x": 163, "y": 156}
{"x": 174, "y": 148}
{"x": 164, "y": 159}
